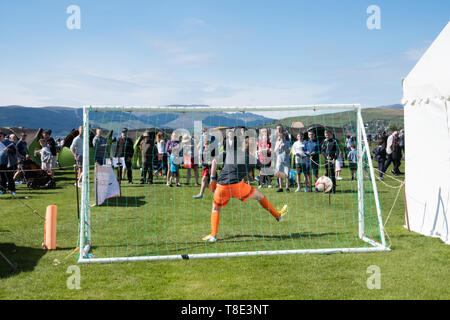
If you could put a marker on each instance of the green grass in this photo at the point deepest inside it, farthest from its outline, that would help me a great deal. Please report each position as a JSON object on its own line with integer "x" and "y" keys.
{"x": 416, "y": 268}
{"x": 155, "y": 220}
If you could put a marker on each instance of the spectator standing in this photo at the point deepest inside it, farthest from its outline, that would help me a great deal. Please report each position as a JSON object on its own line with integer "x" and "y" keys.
{"x": 46, "y": 156}
{"x": 170, "y": 145}
{"x": 8, "y": 165}
{"x": 174, "y": 172}
{"x": 100, "y": 145}
{"x": 384, "y": 137}
{"x": 77, "y": 150}
{"x": 312, "y": 152}
{"x": 339, "y": 166}
{"x": 380, "y": 156}
{"x": 348, "y": 144}
{"x": 149, "y": 155}
{"x": 12, "y": 160}
{"x": 298, "y": 150}
{"x": 283, "y": 164}
{"x": 125, "y": 150}
{"x": 52, "y": 145}
{"x": 22, "y": 148}
{"x": 396, "y": 155}
{"x": 330, "y": 151}
{"x": 389, "y": 149}
{"x": 22, "y": 151}
{"x": 353, "y": 161}
{"x": 264, "y": 157}
{"x": 162, "y": 155}
{"x": 228, "y": 146}
{"x": 190, "y": 162}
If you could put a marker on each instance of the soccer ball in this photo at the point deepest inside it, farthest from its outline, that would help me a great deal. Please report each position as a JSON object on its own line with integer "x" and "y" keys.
{"x": 324, "y": 184}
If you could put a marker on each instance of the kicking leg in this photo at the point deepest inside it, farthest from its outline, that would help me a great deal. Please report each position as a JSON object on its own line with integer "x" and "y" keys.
{"x": 264, "y": 202}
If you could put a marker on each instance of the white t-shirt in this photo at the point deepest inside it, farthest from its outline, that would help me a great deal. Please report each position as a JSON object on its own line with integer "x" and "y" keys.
{"x": 297, "y": 148}
{"x": 160, "y": 145}
{"x": 390, "y": 140}
{"x": 77, "y": 146}
{"x": 46, "y": 155}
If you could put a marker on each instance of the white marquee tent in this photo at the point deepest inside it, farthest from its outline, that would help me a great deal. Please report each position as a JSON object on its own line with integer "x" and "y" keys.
{"x": 426, "y": 100}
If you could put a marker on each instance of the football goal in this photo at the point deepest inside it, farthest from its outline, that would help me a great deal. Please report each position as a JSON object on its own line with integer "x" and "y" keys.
{"x": 146, "y": 172}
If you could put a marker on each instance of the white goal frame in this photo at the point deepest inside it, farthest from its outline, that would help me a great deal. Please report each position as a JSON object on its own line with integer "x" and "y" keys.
{"x": 362, "y": 147}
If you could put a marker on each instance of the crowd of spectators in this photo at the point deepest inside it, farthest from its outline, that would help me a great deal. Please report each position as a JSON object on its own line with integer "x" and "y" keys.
{"x": 296, "y": 156}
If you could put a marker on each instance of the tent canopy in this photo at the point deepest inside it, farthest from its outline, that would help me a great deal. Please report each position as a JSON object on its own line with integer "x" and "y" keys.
{"x": 430, "y": 78}
{"x": 426, "y": 97}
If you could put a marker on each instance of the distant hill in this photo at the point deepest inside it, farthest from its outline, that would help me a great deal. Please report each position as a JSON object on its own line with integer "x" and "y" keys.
{"x": 61, "y": 120}
{"x": 375, "y": 119}
{"x": 392, "y": 106}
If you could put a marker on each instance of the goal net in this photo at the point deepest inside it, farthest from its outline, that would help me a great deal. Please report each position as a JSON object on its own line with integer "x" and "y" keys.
{"x": 153, "y": 217}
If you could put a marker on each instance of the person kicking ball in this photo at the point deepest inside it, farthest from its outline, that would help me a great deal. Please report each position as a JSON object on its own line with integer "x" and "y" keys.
{"x": 229, "y": 184}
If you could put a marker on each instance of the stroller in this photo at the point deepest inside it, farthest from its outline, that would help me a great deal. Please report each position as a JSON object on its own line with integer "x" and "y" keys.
{"x": 35, "y": 177}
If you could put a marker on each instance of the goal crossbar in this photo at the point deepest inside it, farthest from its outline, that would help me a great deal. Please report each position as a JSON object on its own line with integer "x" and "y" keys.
{"x": 202, "y": 108}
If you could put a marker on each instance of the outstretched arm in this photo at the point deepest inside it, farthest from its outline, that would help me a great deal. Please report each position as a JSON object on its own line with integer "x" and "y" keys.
{"x": 213, "y": 182}
{"x": 214, "y": 168}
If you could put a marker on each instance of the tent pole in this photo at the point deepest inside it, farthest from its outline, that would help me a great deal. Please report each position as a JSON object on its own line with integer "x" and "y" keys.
{"x": 406, "y": 206}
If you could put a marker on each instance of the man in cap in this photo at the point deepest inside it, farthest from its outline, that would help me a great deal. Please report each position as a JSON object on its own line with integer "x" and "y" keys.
{"x": 149, "y": 155}
{"x": 125, "y": 149}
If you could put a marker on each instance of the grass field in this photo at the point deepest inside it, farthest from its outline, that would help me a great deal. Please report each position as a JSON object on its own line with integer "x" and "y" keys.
{"x": 416, "y": 268}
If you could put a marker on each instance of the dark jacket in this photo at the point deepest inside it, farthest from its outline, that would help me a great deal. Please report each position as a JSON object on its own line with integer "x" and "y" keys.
{"x": 125, "y": 148}
{"x": 330, "y": 149}
{"x": 149, "y": 150}
{"x": 380, "y": 153}
{"x": 396, "y": 150}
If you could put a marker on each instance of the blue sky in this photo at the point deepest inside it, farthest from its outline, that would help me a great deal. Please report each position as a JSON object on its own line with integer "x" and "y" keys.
{"x": 212, "y": 52}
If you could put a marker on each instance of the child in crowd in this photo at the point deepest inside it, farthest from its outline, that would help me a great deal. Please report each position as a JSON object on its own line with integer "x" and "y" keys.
{"x": 206, "y": 166}
{"x": 380, "y": 157}
{"x": 298, "y": 150}
{"x": 46, "y": 156}
{"x": 264, "y": 157}
{"x": 174, "y": 172}
{"x": 283, "y": 164}
{"x": 339, "y": 165}
{"x": 353, "y": 161}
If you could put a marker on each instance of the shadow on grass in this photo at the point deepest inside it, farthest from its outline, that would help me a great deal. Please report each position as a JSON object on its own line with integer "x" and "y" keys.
{"x": 183, "y": 247}
{"x": 65, "y": 178}
{"x": 339, "y": 191}
{"x": 125, "y": 202}
{"x": 306, "y": 235}
{"x": 24, "y": 258}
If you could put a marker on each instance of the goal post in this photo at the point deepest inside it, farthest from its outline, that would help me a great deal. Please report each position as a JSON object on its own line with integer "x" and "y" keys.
{"x": 150, "y": 222}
